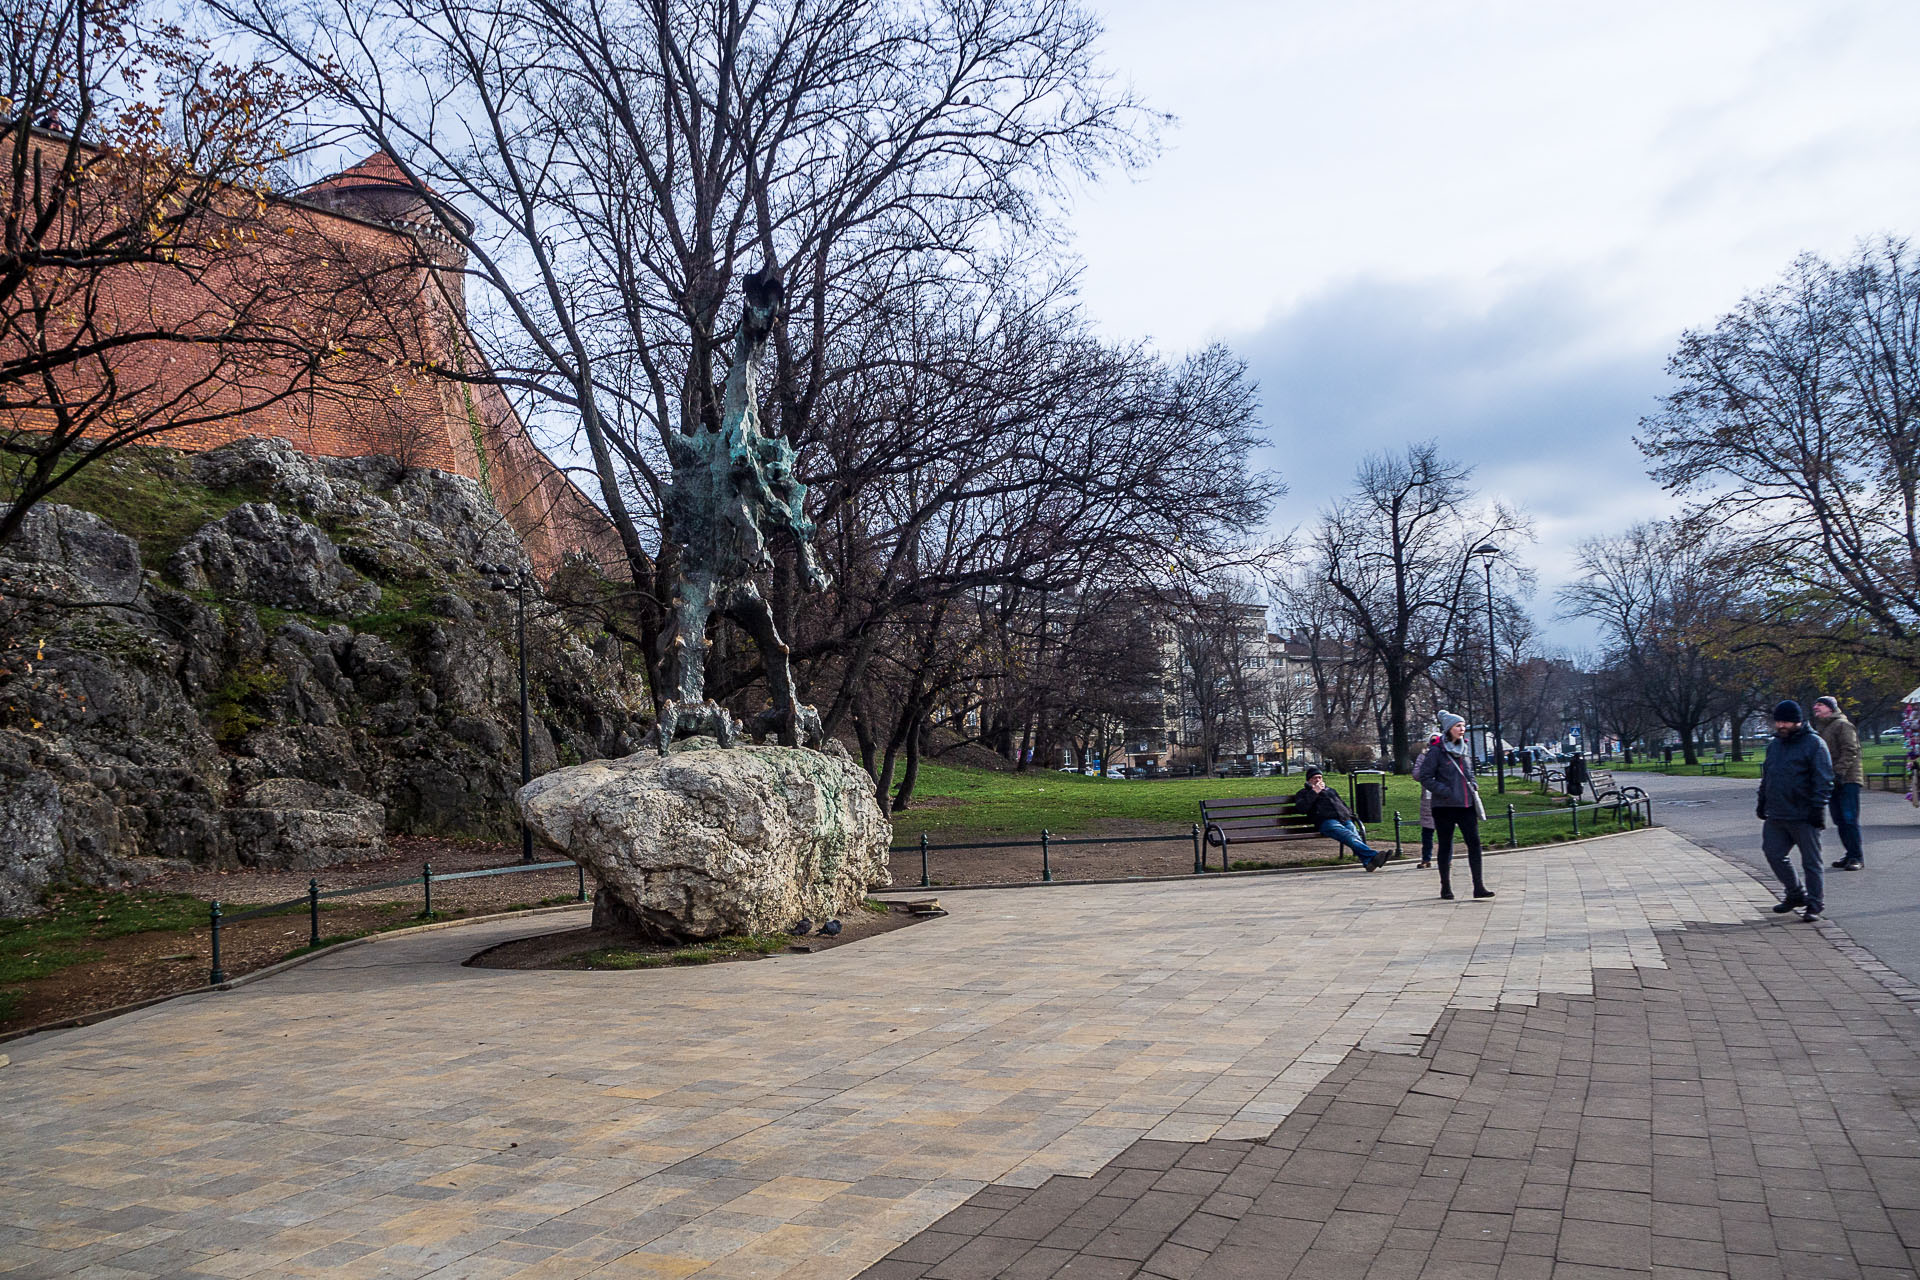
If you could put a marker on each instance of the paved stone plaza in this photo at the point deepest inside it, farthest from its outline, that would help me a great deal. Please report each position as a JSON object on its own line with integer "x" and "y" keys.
{"x": 387, "y": 1112}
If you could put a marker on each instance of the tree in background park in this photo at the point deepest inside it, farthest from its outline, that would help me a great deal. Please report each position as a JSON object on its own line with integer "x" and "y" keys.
{"x": 1397, "y": 553}
{"x": 1664, "y": 595}
{"x": 1795, "y": 423}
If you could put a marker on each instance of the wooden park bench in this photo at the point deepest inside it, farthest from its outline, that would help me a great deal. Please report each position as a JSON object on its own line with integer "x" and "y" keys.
{"x": 1605, "y": 789}
{"x": 1253, "y": 820}
{"x": 1890, "y": 778}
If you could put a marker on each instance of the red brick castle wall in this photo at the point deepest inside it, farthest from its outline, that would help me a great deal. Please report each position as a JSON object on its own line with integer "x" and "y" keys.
{"x": 368, "y": 256}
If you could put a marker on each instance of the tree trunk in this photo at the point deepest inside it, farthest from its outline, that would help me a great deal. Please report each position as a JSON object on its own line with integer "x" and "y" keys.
{"x": 1397, "y": 715}
{"x": 863, "y": 733}
{"x": 911, "y": 774}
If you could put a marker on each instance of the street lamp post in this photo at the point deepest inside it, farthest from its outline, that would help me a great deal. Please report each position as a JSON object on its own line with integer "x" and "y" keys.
{"x": 1488, "y": 553}
{"x": 503, "y": 578}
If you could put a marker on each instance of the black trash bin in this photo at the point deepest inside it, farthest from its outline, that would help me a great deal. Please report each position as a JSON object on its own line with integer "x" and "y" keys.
{"x": 1369, "y": 794}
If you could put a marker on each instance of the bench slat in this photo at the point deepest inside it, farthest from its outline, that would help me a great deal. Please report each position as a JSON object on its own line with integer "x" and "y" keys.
{"x": 1301, "y": 823}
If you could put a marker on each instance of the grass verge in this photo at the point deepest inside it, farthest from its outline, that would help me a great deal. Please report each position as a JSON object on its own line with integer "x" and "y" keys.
{"x": 60, "y": 936}
{"x": 735, "y": 947}
{"x": 989, "y": 805}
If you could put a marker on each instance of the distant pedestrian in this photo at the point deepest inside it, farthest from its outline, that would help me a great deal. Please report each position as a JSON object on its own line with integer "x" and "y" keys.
{"x": 1576, "y": 775}
{"x": 1849, "y": 777}
{"x": 1795, "y": 783}
{"x": 1334, "y": 820}
{"x": 1426, "y": 820}
{"x": 1446, "y": 772}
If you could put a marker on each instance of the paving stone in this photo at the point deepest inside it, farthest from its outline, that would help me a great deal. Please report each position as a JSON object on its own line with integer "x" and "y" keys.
{"x": 1621, "y": 1066}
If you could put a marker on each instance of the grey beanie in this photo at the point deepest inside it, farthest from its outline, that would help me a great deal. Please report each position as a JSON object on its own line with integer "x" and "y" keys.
{"x": 1828, "y": 700}
{"x": 1447, "y": 721}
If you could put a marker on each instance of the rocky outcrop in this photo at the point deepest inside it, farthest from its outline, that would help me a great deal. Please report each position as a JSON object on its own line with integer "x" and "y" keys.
{"x": 313, "y": 664}
{"x": 286, "y": 824}
{"x": 263, "y": 555}
{"x": 81, "y": 557}
{"x": 705, "y": 843}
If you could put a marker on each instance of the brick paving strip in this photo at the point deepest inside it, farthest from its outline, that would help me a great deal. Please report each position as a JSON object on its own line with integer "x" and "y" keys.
{"x": 387, "y": 1112}
{"x": 1748, "y": 1111}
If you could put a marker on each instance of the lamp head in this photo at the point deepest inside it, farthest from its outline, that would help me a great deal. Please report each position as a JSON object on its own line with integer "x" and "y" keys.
{"x": 1487, "y": 552}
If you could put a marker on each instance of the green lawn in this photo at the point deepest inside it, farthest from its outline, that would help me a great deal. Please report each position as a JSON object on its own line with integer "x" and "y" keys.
{"x": 1875, "y": 758}
{"x": 984, "y": 805}
{"x": 61, "y": 936}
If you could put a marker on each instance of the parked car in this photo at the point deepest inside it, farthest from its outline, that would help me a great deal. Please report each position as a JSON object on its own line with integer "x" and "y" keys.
{"x": 1116, "y": 771}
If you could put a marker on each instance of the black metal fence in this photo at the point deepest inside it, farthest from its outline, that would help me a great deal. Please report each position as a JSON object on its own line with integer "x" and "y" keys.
{"x": 315, "y": 895}
{"x": 1630, "y": 814}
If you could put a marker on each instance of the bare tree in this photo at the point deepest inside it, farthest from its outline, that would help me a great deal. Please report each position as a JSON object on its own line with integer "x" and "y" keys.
{"x": 1225, "y": 694}
{"x": 1396, "y": 553}
{"x": 1796, "y": 422}
{"x": 627, "y": 161}
{"x": 1663, "y": 594}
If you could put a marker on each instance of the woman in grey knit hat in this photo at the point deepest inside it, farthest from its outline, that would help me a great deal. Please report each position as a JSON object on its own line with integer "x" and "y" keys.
{"x": 1445, "y": 771}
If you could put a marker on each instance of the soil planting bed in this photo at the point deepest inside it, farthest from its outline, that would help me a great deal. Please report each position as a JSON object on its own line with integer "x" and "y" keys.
{"x": 590, "y": 948}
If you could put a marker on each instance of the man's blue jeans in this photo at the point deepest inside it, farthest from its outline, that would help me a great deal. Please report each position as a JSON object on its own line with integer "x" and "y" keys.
{"x": 1778, "y": 840}
{"x": 1348, "y": 835}
{"x": 1845, "y": 808}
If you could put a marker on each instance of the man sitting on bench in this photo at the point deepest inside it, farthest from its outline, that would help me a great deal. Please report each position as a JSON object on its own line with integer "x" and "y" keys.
{"x": 1333, "y": 819}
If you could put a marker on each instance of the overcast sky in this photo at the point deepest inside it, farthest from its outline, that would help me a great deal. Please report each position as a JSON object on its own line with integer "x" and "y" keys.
{"x": 1489, "y": 222}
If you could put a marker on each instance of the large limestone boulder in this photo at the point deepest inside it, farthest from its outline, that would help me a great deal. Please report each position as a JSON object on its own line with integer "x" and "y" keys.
{"x": 708, "y": 842}
{"x": 287, "y": 824}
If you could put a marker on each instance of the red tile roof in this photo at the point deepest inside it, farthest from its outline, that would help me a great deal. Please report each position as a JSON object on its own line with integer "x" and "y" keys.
{"x": 377, "y": 170}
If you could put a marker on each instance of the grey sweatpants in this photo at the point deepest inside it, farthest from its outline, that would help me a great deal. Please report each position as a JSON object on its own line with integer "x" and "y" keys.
{"x": 1778, "y": 840}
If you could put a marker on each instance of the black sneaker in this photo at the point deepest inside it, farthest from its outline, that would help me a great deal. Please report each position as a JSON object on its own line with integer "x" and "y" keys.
{"x": 1785, "y": 905}
{"x": 1483, "y": 893}
{"x": 1838, "y": 864}
{"x": 1850, "y": 864}
{"x": 1810, "y": 914}
{"x": 1446, "y": 895}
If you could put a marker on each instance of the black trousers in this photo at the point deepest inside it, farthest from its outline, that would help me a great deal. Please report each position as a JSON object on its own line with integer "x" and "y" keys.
{"x": 1445, "y": 820}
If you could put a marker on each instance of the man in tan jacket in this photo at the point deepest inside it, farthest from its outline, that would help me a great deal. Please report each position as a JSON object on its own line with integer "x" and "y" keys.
{"x": 1849, "y": 777}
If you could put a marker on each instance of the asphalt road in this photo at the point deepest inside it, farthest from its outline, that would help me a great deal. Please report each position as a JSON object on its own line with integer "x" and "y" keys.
{"x": 1878, "y": 907}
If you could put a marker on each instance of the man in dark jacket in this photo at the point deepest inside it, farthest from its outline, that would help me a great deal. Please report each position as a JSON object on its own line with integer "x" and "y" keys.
{"x": 1795, "y": 783}
{"x": 1333, "y": 819}
{"x": 1849, "y": 778}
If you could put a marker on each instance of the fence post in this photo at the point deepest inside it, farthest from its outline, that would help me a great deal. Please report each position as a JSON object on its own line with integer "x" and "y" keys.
{"x": 1513, "y": 839}
{"x": 581, "y": 869}
{"x": 218, "y": 975}
{"x": 1396, "y": 833}
{"x": 1576, "y": 819}
{"x": 313, "y": 912}
{"x": 924, "y": 881}
{"x": 1198, "y": 865}
{"x": 426, "y": 889}
{"x": 1046, "y": 863}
